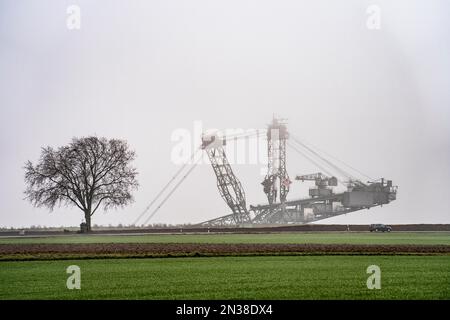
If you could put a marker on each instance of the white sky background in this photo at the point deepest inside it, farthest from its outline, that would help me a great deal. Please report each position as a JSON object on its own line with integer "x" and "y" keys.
{"x": 139, "y": 70}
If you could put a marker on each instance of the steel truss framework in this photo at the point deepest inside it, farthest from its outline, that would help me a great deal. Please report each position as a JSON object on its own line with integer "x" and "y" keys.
{"x": 230, "y": 188}
{"x": 276, "y": 166}
{"x": 285, "y": 212}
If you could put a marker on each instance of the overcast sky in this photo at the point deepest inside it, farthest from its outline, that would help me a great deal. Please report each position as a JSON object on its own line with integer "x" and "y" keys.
{"x": 140, "y": 70}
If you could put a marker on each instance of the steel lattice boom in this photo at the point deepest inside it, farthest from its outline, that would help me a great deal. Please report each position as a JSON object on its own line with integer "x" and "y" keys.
{"x": 229, "y": 186}
{"x": 322, "y": 202}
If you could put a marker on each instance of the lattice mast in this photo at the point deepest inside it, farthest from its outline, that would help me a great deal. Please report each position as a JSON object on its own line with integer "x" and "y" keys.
{"x": 276, "y": 183}
{"x": 229, "y": 186}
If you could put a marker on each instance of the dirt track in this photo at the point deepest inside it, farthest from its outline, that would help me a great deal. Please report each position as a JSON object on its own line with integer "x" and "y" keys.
{"x": 60, "y": 251}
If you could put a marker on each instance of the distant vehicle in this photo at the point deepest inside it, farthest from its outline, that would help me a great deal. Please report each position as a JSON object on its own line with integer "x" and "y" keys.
{"x": 380, "y": 227}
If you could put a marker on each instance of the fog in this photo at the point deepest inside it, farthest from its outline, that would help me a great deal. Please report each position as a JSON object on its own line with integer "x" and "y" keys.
{"x": 377, "y": 99}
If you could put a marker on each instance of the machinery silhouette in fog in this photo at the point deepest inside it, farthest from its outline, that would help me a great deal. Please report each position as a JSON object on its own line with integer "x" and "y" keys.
{"x": 322, "y": 203}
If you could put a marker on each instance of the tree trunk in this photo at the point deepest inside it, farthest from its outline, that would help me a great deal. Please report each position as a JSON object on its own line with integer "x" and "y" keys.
{"x": 87, "y": 216}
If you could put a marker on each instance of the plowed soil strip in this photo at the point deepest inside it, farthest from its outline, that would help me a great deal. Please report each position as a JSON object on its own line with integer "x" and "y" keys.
{"x": 115, "y": 250}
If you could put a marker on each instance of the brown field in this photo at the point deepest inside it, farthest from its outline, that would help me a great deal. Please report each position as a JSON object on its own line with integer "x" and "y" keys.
{"x": 114, "y": 250}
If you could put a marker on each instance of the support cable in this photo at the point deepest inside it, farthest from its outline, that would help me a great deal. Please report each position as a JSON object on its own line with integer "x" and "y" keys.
{"x": 172, "y": 191}
{"x": 343, "y": 172}
{"x": 310, "y": 160}
{"x": 341, "y": 161}
{"x": 167, "y": 186}
{"x": 256, "y": 133}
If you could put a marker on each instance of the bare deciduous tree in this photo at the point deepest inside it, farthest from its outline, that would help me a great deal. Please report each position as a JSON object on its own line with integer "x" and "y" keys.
{"x": 89, "y": 173}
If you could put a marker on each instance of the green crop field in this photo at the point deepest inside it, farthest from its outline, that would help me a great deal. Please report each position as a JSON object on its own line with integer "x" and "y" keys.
{"x": 307, "y": 277}
{"x": 246, "y": 277}
{"x": 428, "y": 238}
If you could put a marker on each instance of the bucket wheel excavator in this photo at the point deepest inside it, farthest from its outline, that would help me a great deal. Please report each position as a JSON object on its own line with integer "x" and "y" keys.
{"x": 323, "y": 202}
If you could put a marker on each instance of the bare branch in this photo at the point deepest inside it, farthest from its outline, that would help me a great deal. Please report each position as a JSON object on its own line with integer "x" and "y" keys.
{"x": 90, "y": 172}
